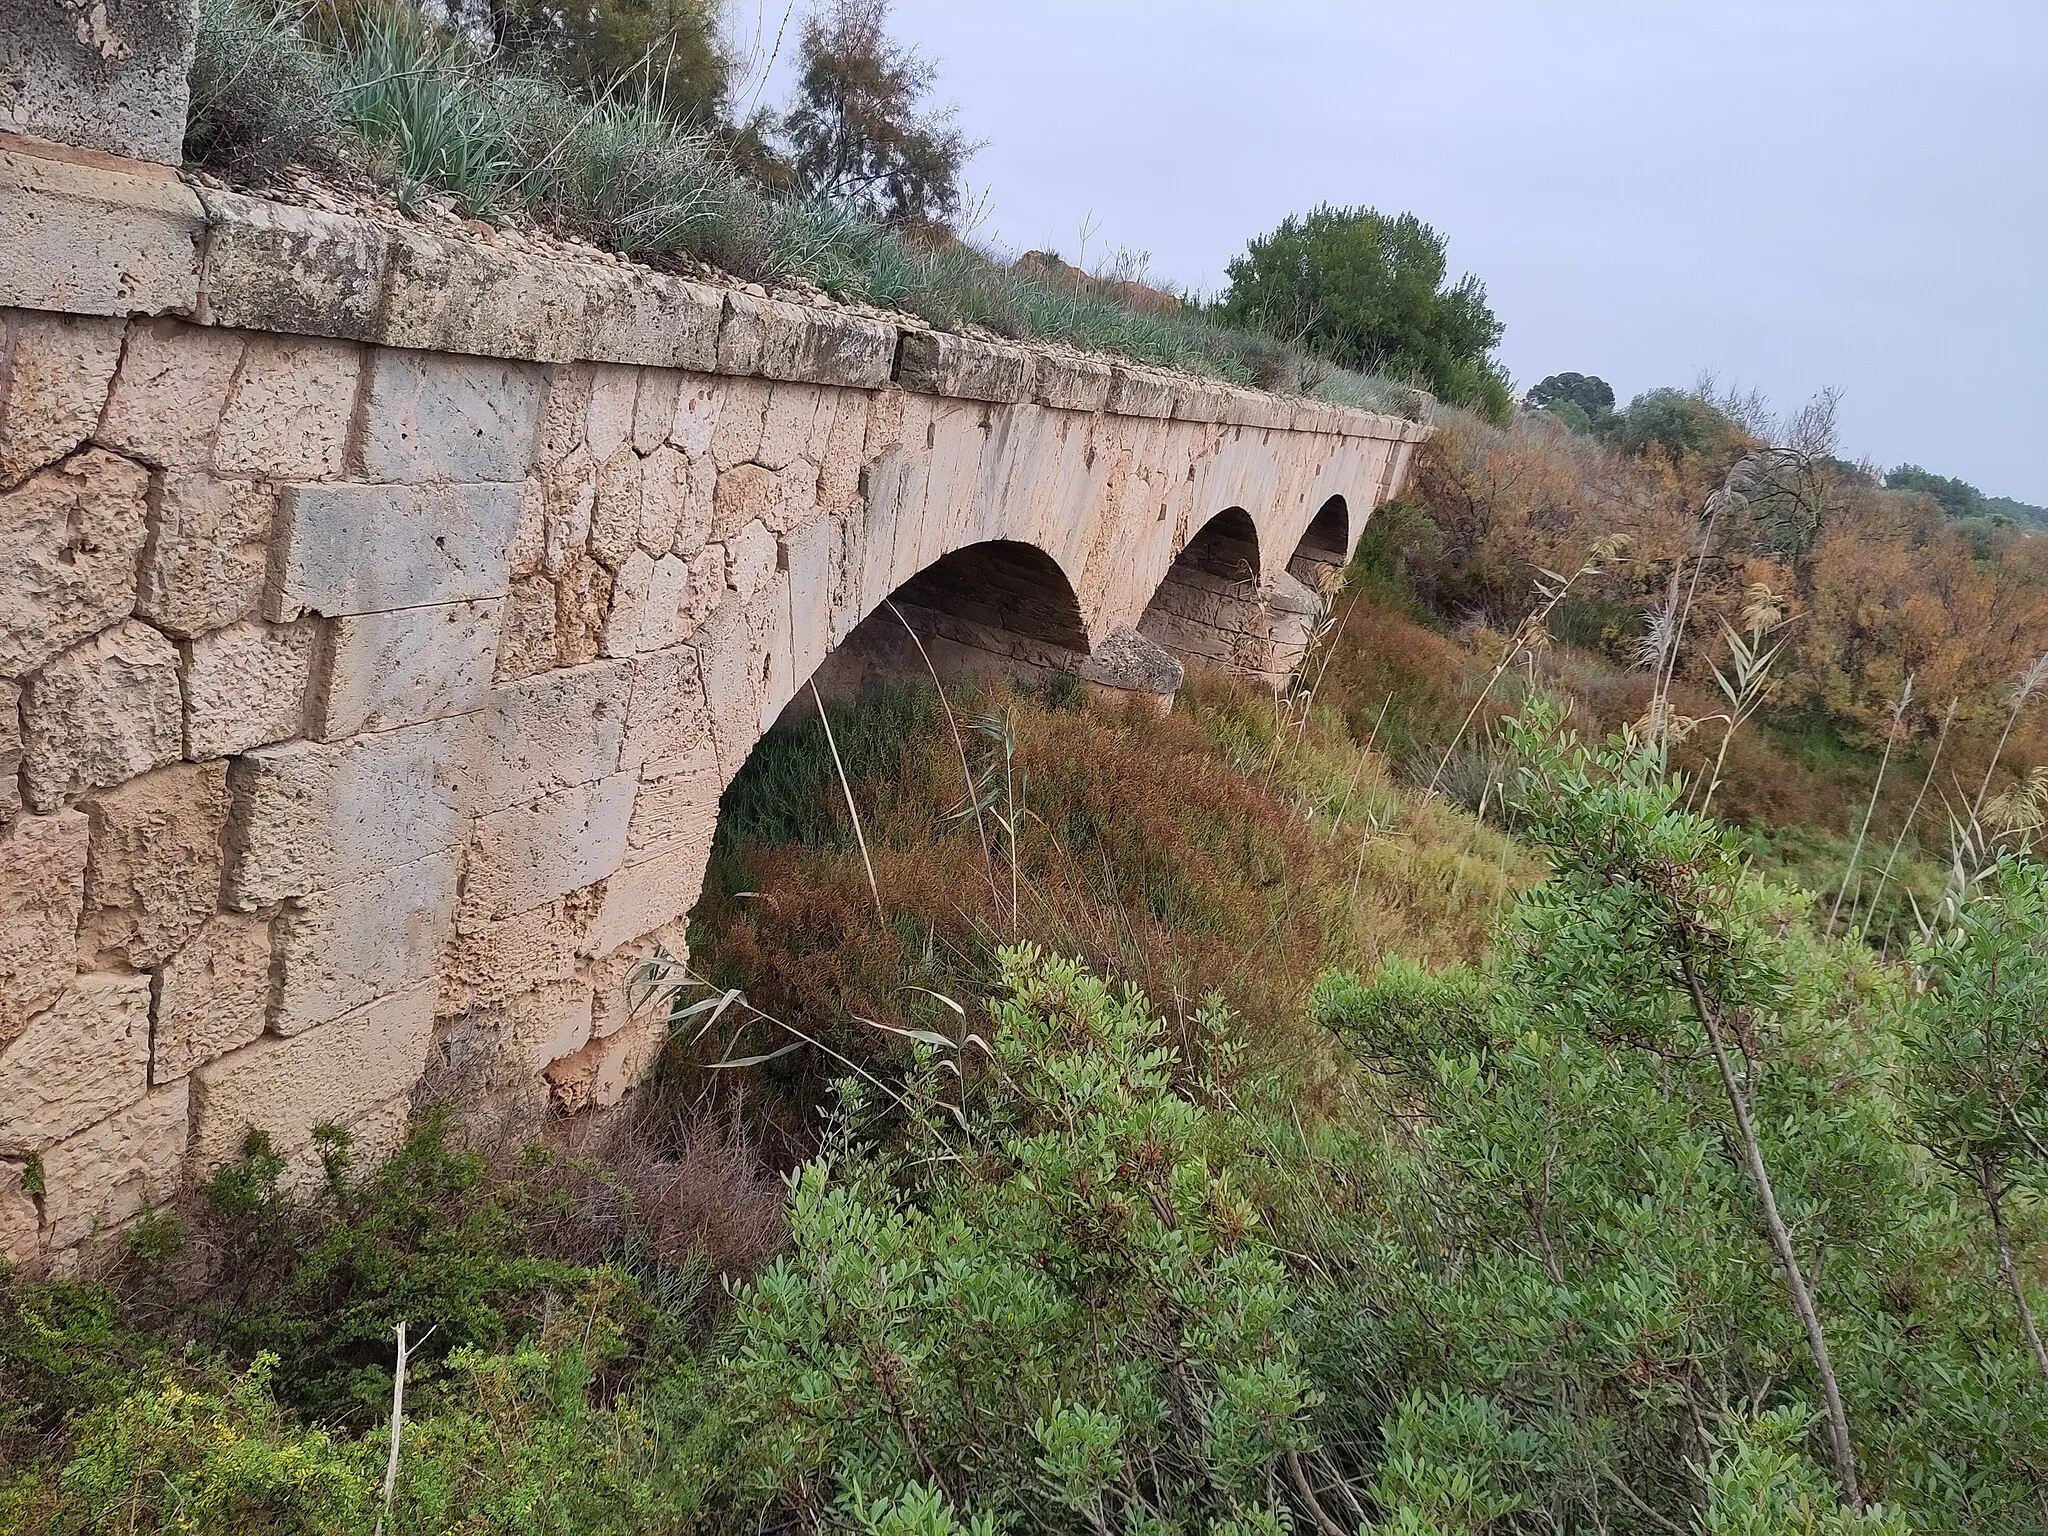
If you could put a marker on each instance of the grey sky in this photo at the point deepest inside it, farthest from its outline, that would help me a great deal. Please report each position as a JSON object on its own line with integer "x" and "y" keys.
{"x": 1790, "y": 195}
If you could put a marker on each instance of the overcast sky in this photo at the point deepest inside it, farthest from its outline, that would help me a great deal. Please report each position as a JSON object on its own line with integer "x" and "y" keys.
{"x": 1790, "y": 195}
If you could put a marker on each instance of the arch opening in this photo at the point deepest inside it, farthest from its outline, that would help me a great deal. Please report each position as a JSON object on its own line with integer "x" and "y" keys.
{"x": 1318, "y": 560}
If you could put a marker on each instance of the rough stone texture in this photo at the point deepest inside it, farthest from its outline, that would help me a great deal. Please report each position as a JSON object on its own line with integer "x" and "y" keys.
{"x": 336, "y": 1074}
{"x": 167, "y": 396}
{"x": 203, "y": 567}
{"x": 108, "y": 76}
{"x": 84, "y": 240}
{"x": 245, "y": 686}
{"x": 69, "y": 539}
{"x": 80, "y": 1060}
{"x": 154, "y": 874}
{"x": 100, "y": 714}
{"x": 55, "y": 371}
{"x": 340, "y": 948}
{"x": 97, "y": 1179}
{"x": 211, "y": 996}
{"x": 306, "y": 816}
{"x": 42, "y": 893}
{"x": 379, "y": 670}
{"x": 289, "y": 412}
{"x": 433, "y": 418}
{"x": 380, "y": 474}
{"x": 20, "y": 1221}
{"x": 371, "y": 548}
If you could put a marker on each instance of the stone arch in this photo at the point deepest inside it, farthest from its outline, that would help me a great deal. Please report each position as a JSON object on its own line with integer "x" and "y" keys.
{"x": 1211, "y": 609}
{"x": 1318, "y": 560}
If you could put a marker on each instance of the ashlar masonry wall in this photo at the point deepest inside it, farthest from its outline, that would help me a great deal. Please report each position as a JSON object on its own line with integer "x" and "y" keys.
{"x": 383, "y": 613}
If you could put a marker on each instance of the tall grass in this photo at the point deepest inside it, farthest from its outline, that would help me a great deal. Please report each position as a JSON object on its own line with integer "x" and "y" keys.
{"x": 427, "y": 114}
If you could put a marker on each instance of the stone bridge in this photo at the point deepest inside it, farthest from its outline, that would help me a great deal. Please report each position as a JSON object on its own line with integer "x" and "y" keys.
{"x": 383, "y": 611}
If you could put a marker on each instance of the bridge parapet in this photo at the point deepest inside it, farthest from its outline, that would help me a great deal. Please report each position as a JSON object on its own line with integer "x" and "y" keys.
{"x": 383, "y": 612}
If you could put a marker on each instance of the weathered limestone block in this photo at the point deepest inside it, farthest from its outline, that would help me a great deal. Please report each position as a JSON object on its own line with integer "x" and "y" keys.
{"x": 673, "y": 811}
{"x": 344, "y": 549}
{"x": 1127, "y": 663}
{"x": 337, "y": 1074}
{"x": 343, "y": 947}
{"x": 615, "y": 516}
{"x": 307, "y": 816}
{"x": 445, "y": 294}
{"x": 668, "y": 726}
{"x": 601, "y": 1074}
{"x": 20, "y": 1221}
{"x": 211, "y": 996}
{"x": 526, "y": 645}
{"x": 583, "y": 598}
{"x": 69, "y": 539}
{"x": 608, "y": 418}
{"x": 654, "y": 408}
{"x": 745, "y": 494}
{"x": 964, "y": 368}
{"x": 751, "y": 557}
{"x": 550, "y": 1022}
{"x": 379, "y": 670}
{"x": 657, "y": 603}
{"x": 552, "y": 732}
{"x": 486, "y": 963}
{"x": 55, "y": 371}
{"x": 97, "y": 1179}
{"x": 290, "y": 270}
{"x": 528, "y": 855}
{"x": 696, "y": 416}
{"x": 568, "y": 497}
{"x": 635, "y": 316}
{"x": 742, "y": 416}
{"x": 203, "y": 567}
{"x": 807, "y": 343}
{"x": 288, "y": 415}
{"x": 1140, "y": 392}
{"x": 168, "y": 392}
{"x": 111, "y": 76}
{"x": 78, "y": 239}
{"x": 434, "y": 417}
{"x": 245, "y": 686}
{"x": 80, "y": 1060}
{"x": 42, "y": 894}
{"x": 10, "y": 753}
{"x": 154, "y": 874}
{"x": 786, "y": 428}
{"x": 100, "y": 714}
{"x": 664, "y": 499}
{"x": 1071, "y": 383}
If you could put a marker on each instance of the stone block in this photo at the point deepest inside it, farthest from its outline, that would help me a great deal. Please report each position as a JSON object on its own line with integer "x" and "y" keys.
{"x": 631, "y": 315}
{"x": 288, "y": 270}
{"x": 340, "y": 948}
{"x": 553, "y": 732}
{"x": 69, "y": 541}
{"x": 1140, "y": 392}
{"x": 166, "y": 402}
{"x": 288, "y": 1085}
{"x": 608, "y": 419}
{"x": 654, "y": 406}
{"x": 486, "y": 963}
{"x": 245, "y": 686}
{"x": 369, "y": 548}
{"x": 742, "y": 335}
{"x": 605, "y": 1070}
{"x": 786, "y": 427}
{"x": 1206, "y": 400}
{"x": 288, "y": 415}
{"x": 583, "y": 598}
{"x": 428, "y": 417}
{"x": 939, "y": 363}
{"x": 655, "y": 604}
{"x": 375, "y": 671}
{"x": 306, "y": 816}
{"x": 203, "y": 567}
{"x": 568, "y": 496}
{"x": 745, "y": 494}
{"x": 110, "y": 76}
{"x": 42, "y": 894}
{"x": 696, "y": 416}
{"x": 449, "y": 295}
{"x": 99, "y": 1178}
{"x": 526, "y": 644}
{"x": 668, "y": 725}
{"x": 615, "y": 515}
{"x": 750, "y": 560}
{"x": 528, "y": 855}
{"x": 1071, "y": 383}
{"x": 677, "y": 810}
{"x": 10, "y": 754}
{"x": 154, "y": 873}
{"x": 827, "y": 346}
{"x": 742, "y": 417}
{"x": 83, "y": 240}
{"x": 79, "y": 1060}
{"x": 100, "y": 714}
{"x": 211, "y": 996}
{"x": 665, "y": 496}
{"x": 550, "y": 1022}
{"x": 658, "y": 885}
{"x": 55, "y": 371}
{"x": 20, "y": 1221}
